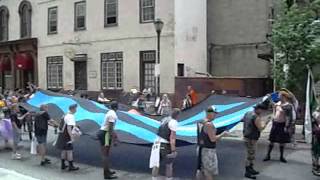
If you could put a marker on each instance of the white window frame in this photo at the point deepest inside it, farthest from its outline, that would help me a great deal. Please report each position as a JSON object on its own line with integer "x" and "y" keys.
{"x": 52, "y": 20}
{"x": 109, "y": 62}
{"x": 142, "y": 11}
{"x": 108, "y": 4}
{"x": 54, "y": 68}
{"x": 77, "y": 14}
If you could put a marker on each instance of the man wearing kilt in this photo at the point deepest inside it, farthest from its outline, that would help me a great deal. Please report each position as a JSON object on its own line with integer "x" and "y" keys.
{"x": 282, "y": 121}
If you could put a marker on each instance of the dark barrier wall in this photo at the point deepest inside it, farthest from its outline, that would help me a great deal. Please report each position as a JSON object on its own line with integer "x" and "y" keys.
{"x": 254, "y": 87}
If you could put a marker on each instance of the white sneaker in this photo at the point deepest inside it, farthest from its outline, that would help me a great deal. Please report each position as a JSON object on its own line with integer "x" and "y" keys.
{"x": 16, "y": 156}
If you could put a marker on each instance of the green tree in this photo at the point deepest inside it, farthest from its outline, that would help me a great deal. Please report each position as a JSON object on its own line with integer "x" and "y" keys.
{"x": 296, "y": 42}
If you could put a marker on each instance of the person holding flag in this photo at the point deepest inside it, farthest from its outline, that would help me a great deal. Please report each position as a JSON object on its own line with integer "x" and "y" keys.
{"x": 252, "y": 127}
{"x": 164, "y": 148}
{"x": 207, "y": 140}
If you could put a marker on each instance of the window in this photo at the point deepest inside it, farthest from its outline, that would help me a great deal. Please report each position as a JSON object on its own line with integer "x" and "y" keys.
{"x": 147, "y": 11}
{"x": 4, "y": 17}
{"x": 53, "y": 20}
{"x": 80, "y": 16}
{"x": 111, "y": 13}
{"x": 147, "y": 72}
{"x": 25, "y": 19}
{"x": 180, "y": 69}
{"x": 54, "y": 72}
{"x": 111, "y": 70}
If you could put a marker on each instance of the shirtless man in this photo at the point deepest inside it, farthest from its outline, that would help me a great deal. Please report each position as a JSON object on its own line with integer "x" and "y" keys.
{"x": 282, "y": 121}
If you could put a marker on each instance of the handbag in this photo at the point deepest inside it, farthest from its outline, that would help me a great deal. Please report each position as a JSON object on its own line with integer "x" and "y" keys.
{"x": 33, "y": 147}
{"x": 76, "y": 133}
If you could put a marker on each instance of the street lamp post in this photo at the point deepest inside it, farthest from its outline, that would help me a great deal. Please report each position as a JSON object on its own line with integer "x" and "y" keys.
{"x": 158, "y": 24}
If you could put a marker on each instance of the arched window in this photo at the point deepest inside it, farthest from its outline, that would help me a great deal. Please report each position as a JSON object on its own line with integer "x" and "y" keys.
{"x": 4, "y": 21}
{"x": 25, "y": 11}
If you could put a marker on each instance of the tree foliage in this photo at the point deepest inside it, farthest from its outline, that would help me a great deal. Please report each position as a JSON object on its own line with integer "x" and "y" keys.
{"x": 296, "y": 42}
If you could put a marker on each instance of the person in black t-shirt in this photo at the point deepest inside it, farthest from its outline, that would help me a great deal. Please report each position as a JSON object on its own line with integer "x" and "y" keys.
{"x": 42, "y": 120}
{"x": 16, "y": 124}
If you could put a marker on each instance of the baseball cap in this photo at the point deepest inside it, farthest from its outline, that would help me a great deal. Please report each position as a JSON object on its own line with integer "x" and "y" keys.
{"x": 261, "y": 106}
{"x": 211, "y": 109}
{"x": 73, "y": 106}
{"x": 114, "y": 105}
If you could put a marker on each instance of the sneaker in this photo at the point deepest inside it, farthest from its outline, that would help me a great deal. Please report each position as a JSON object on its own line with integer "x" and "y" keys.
{"x": 16, "y": 156}
{"x": 315, "y": 172}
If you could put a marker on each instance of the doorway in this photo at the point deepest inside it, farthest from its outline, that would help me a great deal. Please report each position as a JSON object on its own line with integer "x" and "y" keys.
{"x": 80, "y": 75}
{"x": 147, "y": 70}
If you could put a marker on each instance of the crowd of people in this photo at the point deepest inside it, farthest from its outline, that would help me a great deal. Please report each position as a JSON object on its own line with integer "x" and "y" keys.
{"x": 162, "y": 105}
{"x": 284, "y": 108}
{"x": 15, "y": 120}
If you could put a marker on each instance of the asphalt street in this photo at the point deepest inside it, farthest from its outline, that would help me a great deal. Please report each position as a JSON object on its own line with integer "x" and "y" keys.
{"x": 131, "y": 162}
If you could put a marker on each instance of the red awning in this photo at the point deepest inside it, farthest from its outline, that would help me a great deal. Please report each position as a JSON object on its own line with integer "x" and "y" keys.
{"x": 5, "y": 64}
{"x": 24, "y": 61}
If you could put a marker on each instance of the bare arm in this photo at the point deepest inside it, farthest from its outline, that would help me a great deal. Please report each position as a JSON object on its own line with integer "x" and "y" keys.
{"x": 288, "y": 116}
{"x": 111, "y": 130}
{"x": 23, "y": 116}
{"x": 69, "y": 130}
{"x": 100, "y": 99}
{"x": 14, "y": 125}
{"x": 53, "y": 123}
{"x": 173, "y": 140}
{"x": 110, "y": 127}
{"x": 211, "y": 131}
{"x": 259, "y": 124}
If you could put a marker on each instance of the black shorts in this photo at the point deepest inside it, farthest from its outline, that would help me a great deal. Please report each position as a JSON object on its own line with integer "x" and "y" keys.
{"x": 68, "y": 147}
{"x": 165, "y": 149}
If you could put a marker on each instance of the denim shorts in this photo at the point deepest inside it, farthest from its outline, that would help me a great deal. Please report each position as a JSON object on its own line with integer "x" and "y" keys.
{"x": 42, "y": 139}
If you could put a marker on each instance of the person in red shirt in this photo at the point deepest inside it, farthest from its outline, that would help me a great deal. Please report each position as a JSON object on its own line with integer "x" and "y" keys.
{"x": 192, "y": 93}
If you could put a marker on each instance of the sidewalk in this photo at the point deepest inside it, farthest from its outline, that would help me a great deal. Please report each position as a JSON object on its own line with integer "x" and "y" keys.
{"x": 10, "y": 175}
{"x": 29, "y": 167}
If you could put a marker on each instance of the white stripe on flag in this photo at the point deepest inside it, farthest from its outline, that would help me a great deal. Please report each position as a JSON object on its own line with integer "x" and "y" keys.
{"x": 307, "y": 122}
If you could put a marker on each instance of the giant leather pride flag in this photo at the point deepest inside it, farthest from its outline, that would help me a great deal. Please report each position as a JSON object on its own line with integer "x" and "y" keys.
{"x": 139, "y": 129}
